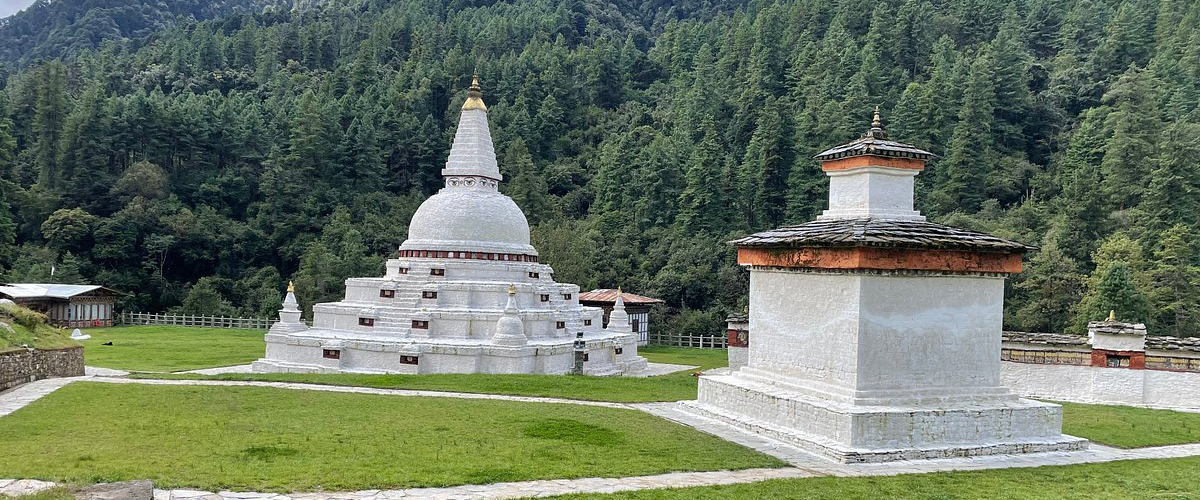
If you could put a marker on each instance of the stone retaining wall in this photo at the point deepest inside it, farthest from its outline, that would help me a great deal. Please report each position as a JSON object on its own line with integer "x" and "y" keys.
{"x": 26, "y": 365}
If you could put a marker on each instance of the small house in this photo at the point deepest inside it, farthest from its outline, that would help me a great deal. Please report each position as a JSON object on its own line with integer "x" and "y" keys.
{"x": 637, "y": 306}
{"x": 71, "y": 306}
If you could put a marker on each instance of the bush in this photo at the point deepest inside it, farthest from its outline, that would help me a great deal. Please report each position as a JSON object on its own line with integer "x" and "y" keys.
{"x": 24, "y": 316}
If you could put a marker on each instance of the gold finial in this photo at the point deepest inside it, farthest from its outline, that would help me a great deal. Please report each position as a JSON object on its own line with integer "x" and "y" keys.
{"x": 474, "y": 96}
{"x": 512, "y": 290}
{"x": 876, "y": 130}
{"x": 1112, "y": 315}
{"x": 618, "y": 291}
{"x": 291, "y": 286}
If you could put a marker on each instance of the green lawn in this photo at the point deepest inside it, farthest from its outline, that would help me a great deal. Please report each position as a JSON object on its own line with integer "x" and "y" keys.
{"x": 1173, "y": 479}
{"x": 672, "y": 387}
{"x": 265, "y": 439}
{"x": 1130, "y": 427}
{"x": 171, "y": 348}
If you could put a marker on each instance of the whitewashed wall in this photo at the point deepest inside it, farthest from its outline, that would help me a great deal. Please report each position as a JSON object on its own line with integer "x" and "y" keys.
{"x": 1088, "y": 384}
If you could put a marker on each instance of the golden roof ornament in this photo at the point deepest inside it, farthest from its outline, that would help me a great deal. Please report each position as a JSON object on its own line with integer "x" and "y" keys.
{"x": 1112, "y": 315}
{"x": 474, "y": 96}
{"x": 291, "y": 286}
{"x": 876, "y": 130}
{"x": 512, "y": 290}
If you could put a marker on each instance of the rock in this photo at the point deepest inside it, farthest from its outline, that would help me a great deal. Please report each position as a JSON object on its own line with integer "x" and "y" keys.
{"x": 124, "y": 490}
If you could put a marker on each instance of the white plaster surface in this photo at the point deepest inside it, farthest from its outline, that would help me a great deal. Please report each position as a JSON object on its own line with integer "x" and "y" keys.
{"x": 871, "y": 192}
{"x": 1102, "y": 385}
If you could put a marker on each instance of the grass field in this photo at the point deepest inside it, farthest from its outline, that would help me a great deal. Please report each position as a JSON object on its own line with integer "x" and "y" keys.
{"x": 171, "y": 348}
{"x": 25, "y": 328}
{"x": 672, "y": 387}
{"x": 265, "y": 439}
{"x": 1130, "y": 427}
{"x": 1173, "y": 479}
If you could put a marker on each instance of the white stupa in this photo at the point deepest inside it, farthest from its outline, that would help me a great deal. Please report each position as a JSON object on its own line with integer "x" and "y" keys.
{"x": 467, "y": 294}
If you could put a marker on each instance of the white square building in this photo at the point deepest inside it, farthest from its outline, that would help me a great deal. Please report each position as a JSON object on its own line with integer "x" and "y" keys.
{"x": 876, "y": 334}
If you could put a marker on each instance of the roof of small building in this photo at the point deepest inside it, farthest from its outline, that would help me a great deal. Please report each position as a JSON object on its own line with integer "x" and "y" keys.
{"x": 609, "y": 295}
{"x": 50, "y": 290}
{"x": 874, "y": 142}
{"x": 872, "y": 232}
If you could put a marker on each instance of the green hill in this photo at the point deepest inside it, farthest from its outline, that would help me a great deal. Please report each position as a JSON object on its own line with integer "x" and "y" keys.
{"x": 25, "y": 328}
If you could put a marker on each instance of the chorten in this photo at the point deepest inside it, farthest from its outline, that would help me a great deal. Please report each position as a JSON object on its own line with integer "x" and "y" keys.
{"x": 466, "y": 295}
{"x": 876, "y": 334}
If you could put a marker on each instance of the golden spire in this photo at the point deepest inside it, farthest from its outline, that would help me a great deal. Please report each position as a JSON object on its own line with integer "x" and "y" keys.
{"x": 876, "y": 130}
{"x": 291, "y": 286}
{"x": 474, "y": 96}
{"x": 1112, "y": 315}
{"x": 512, "y": 289}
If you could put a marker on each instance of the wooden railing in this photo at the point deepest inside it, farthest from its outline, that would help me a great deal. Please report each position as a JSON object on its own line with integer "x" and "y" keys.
{"x": 696, "y": 341}
{"x": 132, "y": 318}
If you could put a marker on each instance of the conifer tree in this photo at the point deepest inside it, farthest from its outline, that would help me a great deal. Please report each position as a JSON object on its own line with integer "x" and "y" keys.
{"x": 1132, "y": 125}
{"x": 1176, "y": 275}
{"x": 971, "y": 149}
{"x": 49, "y": 115}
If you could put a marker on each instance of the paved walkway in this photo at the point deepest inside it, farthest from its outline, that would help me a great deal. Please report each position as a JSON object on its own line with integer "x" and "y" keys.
{"x": 802, "y": 463}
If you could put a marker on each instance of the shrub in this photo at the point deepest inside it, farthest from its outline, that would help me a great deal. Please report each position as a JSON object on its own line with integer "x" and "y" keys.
{"x": 23, "y": 316}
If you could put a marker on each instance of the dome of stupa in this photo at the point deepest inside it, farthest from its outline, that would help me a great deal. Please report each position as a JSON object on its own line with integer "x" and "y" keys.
{"x": 470, "y": 214}
{"x": 469, "y": 219}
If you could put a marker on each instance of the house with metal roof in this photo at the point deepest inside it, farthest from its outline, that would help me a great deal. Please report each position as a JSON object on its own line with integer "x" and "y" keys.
{"x": 71, "y": 306}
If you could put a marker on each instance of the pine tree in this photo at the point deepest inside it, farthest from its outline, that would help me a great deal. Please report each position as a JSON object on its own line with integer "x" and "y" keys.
{"x": 525, "y": 184}
{"x": 1052, "y": 285}
{"x": 1132, "y": 126}
{"x": 1116, "y": 292}
{"x": 971, "y": 148}
{"x": 703, "y": 204}
{"x": 767, "y": 166}
{"x": 1176, "y": 275}
{"x": 49, "y": 115}
{"x": 1173, "y": 195}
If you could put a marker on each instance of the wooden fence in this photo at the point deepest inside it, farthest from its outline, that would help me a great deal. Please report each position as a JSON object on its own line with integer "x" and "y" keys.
{"x": 697, "y": 341}
{"x": 131, "y": 318}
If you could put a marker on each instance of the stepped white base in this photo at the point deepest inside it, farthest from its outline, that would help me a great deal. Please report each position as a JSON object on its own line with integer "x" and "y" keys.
{"x": 862, "y": 433}
{"x": 305, "y": 352}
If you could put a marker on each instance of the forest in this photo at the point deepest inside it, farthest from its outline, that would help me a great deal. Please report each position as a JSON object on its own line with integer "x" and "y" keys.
{"x": 200, "y": 155}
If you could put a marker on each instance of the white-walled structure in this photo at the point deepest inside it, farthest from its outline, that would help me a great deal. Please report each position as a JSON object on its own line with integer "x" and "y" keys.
{"x": 467, "y": 295}
{"x": 876, "y": 335}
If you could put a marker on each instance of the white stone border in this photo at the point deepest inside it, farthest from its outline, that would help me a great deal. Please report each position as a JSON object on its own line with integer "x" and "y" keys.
{"x": 803, "y": 463}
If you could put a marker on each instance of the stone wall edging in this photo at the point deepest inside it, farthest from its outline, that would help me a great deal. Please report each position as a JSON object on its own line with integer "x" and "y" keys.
{"x": 26, "y": 365}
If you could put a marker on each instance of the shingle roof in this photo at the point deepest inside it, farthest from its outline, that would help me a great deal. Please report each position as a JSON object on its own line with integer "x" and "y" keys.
{"x": 52, "y": 290}
{"x": 879, "y": 233}
{"x": 874, "y": 146}
{"x": 610, "y": 295}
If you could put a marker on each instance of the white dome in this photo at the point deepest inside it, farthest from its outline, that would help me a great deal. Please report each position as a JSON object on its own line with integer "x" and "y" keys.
{"x": 466, "y": 219}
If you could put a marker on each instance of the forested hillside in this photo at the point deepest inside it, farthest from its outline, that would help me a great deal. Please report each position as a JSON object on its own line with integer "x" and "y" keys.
{"x": 203, "y": 166}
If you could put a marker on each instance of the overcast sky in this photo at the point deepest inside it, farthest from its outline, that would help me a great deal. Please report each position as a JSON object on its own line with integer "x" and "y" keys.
{"x": 10, "y": 7}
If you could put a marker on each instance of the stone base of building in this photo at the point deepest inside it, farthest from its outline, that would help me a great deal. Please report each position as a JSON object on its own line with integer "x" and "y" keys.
{"x": 26, "y": 365}
{"x": 306, "y": 353}
{"x": 859, "y": 433}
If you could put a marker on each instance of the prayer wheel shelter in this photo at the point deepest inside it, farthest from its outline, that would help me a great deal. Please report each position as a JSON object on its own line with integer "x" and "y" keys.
{"x": 71, "y": 306}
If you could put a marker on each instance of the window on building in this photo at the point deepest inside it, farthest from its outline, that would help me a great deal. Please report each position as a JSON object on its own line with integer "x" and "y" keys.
{"x": 331, "y": 354}
{"x": 387, "y": 294}
{"x": 428, "y": 295}
{"x": 366, "y": 321}
{"x": 420, "y": 325}
{"x": 618, "y": 351}
{"x": 566, "y": 296}
{"x": 437, "y": 272}
{"x": 408, "y": 360}
{"x": 533, "y": 275}
{"x": 587, "y": 322}
{"x": 404, "y": 270}
{"x": 1117, "y": 361}
{"x": 636, "y": 323}
{"x": 545, "y": 297}
{"x": 560, "y": 324}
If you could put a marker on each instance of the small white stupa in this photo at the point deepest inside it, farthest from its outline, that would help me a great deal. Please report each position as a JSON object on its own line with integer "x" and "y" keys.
{"x": 467, "y": 294}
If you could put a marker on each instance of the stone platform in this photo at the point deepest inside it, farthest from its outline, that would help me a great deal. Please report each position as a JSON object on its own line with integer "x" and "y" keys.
{"x": 851, "y": 433}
